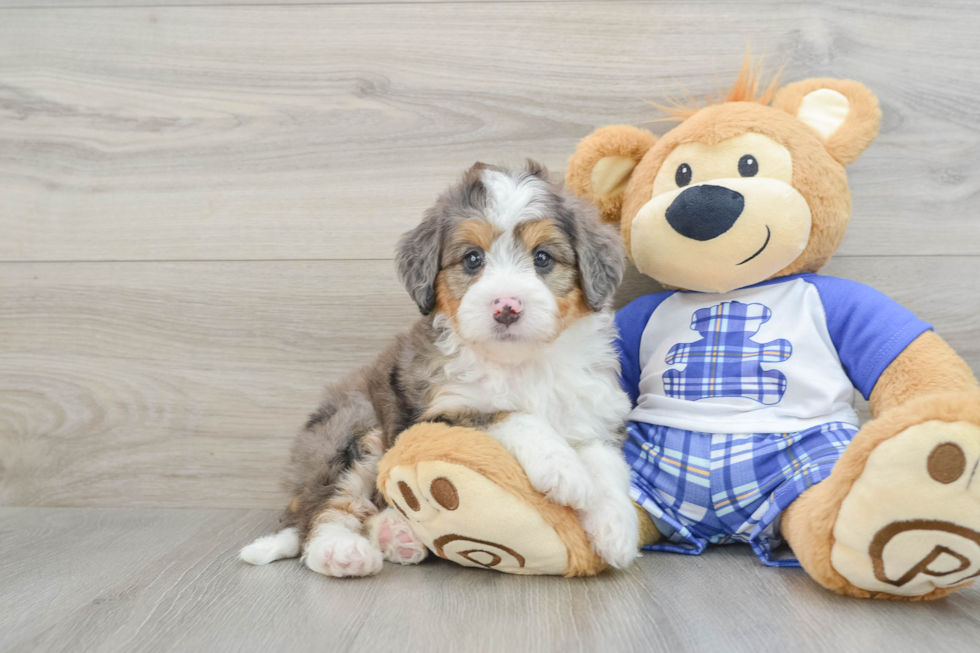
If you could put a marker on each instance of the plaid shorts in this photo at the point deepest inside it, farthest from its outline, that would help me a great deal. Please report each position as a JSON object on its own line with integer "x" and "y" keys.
{"x": 713, "y": 488}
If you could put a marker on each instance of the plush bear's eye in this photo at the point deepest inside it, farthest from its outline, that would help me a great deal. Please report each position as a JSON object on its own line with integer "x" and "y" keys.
{"x": 748, "y": 166}
{"x": 683, "y": 175}
{"x": 473, "y": 261}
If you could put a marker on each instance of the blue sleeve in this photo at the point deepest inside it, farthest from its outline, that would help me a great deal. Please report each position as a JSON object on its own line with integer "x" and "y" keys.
{"x": 631, "y": 320}
{"x": 868, "y": 328}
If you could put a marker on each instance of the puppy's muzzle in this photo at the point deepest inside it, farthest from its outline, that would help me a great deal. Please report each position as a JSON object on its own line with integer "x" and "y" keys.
{"x": 506, "y": 310}
{"x": 705, "y": 212}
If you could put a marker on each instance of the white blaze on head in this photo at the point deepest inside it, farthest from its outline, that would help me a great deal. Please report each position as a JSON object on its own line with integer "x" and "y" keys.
{"x": 513, "y": 199}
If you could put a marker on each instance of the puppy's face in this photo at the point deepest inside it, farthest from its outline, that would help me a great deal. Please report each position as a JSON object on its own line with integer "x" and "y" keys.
{"x": 510, "y": 258}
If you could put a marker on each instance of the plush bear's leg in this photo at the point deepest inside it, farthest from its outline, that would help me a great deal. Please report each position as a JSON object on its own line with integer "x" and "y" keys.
{"x": 899, "y": 517}
{"x": 648, "y": 530}
{"x": 470, "y": 502}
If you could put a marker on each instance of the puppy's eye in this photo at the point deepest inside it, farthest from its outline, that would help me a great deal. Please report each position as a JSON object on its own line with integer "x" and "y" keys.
{"x": 543, "y": 260}
{"x": 473, "y": 261}
{"x": 748, "y": 166}
{"x": 683, "y": 175}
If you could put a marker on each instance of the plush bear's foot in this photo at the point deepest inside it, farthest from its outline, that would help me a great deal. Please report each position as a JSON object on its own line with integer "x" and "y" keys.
{"x": 899, "y": 517}
{"x": 391, "y": 533}
{"x": 911, "y": 522}
{"x": 470, "y": 502}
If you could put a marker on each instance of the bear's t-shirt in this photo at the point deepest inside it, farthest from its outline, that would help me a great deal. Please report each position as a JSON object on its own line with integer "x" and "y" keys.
{"x": 777, "y": 357}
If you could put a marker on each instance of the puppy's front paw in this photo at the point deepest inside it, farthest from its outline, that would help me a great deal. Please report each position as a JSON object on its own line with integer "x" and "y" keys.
{"x": 335, "y": 551}
{"x": 394, "y": 537}
{"x": 559, "y": 474}
{"x": 613, "y": 529}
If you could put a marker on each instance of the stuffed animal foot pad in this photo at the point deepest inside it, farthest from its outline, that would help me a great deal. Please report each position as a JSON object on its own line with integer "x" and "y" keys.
{"x": 911, "y": 522}
{"x": 452, "y": 509}
{"x": 470, "y": 502}
{"x": 899, "y": 516}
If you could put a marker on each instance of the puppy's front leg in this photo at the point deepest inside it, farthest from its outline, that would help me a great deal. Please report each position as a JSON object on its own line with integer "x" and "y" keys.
{"x": 550, "y": 463}
{"x": 610, "y": 520}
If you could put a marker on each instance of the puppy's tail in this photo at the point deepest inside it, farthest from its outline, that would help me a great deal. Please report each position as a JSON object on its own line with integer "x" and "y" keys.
{"x": 269, "y": 548}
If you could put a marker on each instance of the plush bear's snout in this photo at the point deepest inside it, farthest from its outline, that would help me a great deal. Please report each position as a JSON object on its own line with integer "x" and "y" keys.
{"x": 705, "y": 212}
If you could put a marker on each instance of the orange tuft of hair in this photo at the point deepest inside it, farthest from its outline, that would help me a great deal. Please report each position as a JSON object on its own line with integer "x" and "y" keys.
{"x": 745, "y": 89}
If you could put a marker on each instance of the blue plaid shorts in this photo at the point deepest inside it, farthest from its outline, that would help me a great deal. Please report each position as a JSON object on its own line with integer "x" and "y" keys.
{"x": 716, "y": 488}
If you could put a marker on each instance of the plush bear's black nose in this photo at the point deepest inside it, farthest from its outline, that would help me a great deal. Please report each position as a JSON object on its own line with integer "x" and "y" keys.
{"x": 705, "y": 212}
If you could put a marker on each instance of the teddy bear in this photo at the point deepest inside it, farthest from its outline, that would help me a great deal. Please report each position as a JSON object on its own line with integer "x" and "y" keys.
{"x": 742, "y": 374}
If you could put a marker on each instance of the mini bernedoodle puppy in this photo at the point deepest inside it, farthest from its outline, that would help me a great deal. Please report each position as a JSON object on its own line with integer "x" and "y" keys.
{"x": 515, "y": 278}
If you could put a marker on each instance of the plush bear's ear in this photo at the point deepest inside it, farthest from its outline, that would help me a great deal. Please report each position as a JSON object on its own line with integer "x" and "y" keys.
{"x": 602, "y": 164}
{"x": 844, "y": 112}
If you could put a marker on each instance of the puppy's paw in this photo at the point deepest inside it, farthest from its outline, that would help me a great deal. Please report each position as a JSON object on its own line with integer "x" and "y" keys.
{"x": 335, "y": 551}
{"x": 393, "y": 536}
{"x": 284, "y": 544}
{"x": 559, "y": 474}
{"x": 613, "y": 529}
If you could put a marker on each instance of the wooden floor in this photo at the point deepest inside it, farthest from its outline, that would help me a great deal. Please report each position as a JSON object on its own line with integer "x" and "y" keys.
{"x": 198, "y": 204}
{"x": 137, "y": 580}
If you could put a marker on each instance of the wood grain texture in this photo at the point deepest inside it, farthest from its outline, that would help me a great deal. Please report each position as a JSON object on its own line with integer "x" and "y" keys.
{"x": 145, "y": 581}
{"x": 322, "y": 132}
{"x": 181, "y": 384}
{"x": 175, "y": 384}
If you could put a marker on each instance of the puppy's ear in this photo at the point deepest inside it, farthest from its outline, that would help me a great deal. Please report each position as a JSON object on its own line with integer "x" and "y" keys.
{"x": 602, "y": 165}
{"x": 536, "y": 169}
{"x": 601, "y": 257}
{"x": 843, "y": 112}
{"x": 417, "y": 260}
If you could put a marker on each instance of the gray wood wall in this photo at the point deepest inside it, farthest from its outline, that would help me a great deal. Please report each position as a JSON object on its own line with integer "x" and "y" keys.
{"x": 199, "y": 199}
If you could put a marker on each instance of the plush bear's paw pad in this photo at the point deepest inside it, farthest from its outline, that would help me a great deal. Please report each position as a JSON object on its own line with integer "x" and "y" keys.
{"x": 335, "y": 551}
{"x": 613, "y": 530}
{"x": 393, "y": 536}
{"x": 911, "y": 522}
{"x": 464, "y": 517}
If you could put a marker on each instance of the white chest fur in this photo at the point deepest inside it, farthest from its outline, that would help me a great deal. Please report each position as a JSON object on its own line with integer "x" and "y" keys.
{"x": 571, "y": 384}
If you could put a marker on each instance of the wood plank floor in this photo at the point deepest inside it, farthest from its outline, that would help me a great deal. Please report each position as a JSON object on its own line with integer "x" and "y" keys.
{"x": 168, "y": 580}
{"x": 312, "y": 132}
{"x": 180, "y": 384}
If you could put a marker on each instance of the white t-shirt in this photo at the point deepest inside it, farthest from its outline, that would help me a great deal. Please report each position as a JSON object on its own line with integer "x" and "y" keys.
{"x": 781, "y": 356}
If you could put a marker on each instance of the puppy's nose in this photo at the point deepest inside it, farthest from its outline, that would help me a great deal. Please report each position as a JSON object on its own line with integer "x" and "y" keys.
{"x": 705, "y": 212}
{"x": 506, "y": 310}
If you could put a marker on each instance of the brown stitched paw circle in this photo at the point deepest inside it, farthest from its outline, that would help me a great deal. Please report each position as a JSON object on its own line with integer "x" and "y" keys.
{"x": 409, "y": 496}
{"x": 487, "y": 555}
{"x": 444, "y": 492}
{"x": 946, "y": 463}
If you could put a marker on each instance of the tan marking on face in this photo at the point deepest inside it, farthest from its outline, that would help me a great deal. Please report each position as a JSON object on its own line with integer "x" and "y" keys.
{"x": 475, "y": 232}
{"x": 451, "y": 285}
{"x": 539, "y": 232}
{"x": 572, "y": 307}
{"x": 453, "y": 281}
{"x": 562, "y": 278}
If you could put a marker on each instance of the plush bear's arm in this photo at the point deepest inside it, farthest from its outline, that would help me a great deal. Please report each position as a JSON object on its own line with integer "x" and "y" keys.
{"x": 928, "y": 366}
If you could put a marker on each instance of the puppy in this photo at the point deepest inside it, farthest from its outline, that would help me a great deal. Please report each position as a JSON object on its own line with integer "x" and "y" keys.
{"x": 514, "y": 277}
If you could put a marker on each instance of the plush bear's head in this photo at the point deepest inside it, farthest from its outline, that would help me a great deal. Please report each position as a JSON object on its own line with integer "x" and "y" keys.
{"x": 741, "y": 191}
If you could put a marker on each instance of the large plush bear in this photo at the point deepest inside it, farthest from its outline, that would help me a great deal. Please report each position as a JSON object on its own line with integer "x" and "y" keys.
{"x": 742, "y": 377}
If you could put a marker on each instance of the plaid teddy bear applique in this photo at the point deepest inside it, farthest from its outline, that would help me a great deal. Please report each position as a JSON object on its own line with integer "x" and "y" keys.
{"x": 726, "y": 362}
